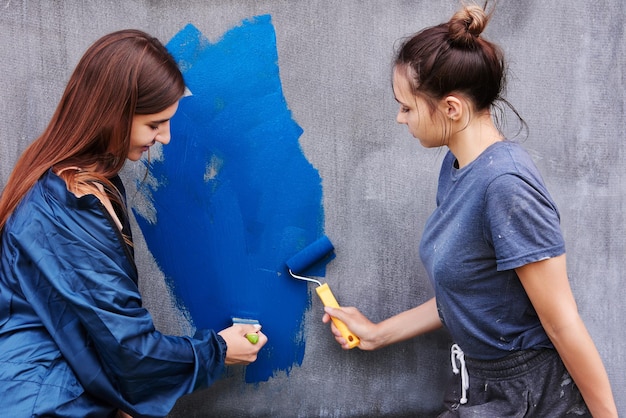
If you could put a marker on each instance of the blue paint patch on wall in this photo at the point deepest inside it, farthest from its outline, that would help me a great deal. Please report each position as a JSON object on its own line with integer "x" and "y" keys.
{"x": 234, "y": 197}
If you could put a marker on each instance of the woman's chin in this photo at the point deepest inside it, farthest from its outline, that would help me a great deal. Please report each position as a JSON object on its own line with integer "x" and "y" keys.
{"x": 134, "y": 156}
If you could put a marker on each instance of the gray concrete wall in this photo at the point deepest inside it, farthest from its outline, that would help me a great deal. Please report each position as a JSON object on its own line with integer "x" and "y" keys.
{"x": 567, "y": 80}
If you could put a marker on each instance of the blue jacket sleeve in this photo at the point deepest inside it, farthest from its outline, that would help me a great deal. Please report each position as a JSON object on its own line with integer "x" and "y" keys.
{"x": 74, "y": 271}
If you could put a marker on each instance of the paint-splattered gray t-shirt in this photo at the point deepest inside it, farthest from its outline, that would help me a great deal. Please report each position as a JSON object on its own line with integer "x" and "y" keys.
{"x": 492, "y": 216}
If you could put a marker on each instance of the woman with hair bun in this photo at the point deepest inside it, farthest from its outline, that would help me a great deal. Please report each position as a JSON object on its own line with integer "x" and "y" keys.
{"x": 492, "y": 248}
{"x": 75, "y": 340}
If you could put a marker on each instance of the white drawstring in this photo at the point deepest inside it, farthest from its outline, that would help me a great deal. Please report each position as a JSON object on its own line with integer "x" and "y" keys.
{"x": 457, "y": 354}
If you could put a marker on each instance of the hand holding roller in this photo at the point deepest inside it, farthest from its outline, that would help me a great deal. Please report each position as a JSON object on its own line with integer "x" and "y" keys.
{"x": 305, "y": 259}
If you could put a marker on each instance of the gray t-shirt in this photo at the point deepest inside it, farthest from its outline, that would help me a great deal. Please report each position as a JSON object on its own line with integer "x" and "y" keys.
{"x": 492, "y": 216}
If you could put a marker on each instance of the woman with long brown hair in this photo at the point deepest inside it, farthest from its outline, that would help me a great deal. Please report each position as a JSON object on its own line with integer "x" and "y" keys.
{"x": 74, "y": 338}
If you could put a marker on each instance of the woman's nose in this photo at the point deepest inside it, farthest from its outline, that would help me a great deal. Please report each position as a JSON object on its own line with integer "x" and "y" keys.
{"x": 163, "y": 136}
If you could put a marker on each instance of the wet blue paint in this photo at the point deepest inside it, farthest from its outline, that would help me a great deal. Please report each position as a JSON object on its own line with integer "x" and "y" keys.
{"x": 235, "y": 197}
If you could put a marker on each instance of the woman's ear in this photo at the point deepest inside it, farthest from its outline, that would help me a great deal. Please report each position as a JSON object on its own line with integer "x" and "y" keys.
{"x": 453, "y": 108}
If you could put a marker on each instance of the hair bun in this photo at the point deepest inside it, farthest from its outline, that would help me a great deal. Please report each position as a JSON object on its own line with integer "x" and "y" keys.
{"x": 467, "y": 24}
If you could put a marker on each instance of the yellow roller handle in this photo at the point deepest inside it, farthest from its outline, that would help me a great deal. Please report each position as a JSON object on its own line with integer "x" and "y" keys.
{"x": 328, "y": 299}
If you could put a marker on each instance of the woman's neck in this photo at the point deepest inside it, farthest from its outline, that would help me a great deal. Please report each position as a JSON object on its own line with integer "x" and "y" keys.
{"x": 469, "y": 140}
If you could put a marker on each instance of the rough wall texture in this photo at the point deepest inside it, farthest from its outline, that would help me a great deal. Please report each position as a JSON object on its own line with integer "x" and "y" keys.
{"x": 567, "y": 80}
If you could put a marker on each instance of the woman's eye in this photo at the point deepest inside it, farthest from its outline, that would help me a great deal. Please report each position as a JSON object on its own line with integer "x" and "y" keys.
{"x": 154, "y": 127}
{"x": 404, "y": 109}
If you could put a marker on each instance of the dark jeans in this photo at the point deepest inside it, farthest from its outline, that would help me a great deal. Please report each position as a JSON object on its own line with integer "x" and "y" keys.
{"x": 531, "y": 383}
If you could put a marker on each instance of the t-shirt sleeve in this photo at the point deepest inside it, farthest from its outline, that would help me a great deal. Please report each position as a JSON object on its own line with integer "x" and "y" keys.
{"x": 521, "y": 222}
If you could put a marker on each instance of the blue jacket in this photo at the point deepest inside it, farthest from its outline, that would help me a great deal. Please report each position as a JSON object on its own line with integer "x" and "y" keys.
{"x": 75, "y": 340}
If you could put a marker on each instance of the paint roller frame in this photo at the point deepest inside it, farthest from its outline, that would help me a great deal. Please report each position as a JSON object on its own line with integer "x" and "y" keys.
{"x": 307, "y": 257}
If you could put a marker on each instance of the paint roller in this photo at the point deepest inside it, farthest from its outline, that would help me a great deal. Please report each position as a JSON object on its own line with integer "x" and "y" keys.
{"x": 306, "y": 258}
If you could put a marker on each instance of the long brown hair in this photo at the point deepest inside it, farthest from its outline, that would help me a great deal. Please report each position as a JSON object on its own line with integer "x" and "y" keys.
{"x": 123, "y": 73}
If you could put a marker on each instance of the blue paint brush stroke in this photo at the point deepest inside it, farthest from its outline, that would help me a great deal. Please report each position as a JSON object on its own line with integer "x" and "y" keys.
{"x": 235, "y": 196}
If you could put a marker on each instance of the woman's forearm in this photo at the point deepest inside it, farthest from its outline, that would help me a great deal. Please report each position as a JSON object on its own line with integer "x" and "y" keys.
{"x": 582, "y": 360}
{"x": 547, "y": 285}
{"x": 408, "y": 324}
